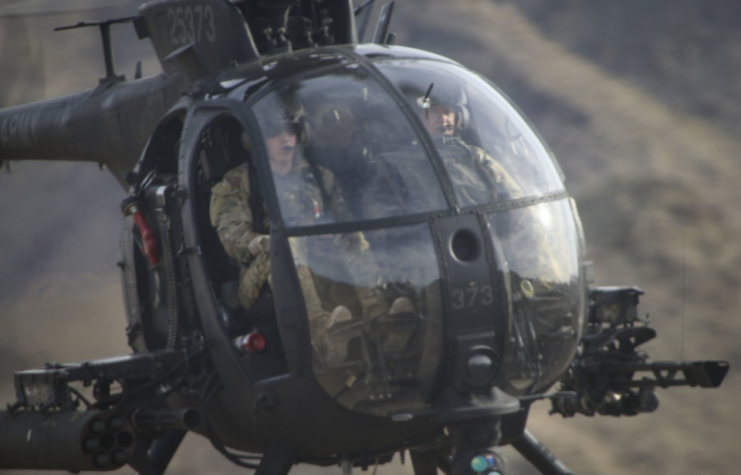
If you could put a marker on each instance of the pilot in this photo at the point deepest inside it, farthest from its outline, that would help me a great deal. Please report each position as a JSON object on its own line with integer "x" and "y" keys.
{"x": 476, "y": 176}
{"x": 479, "y": 179}
{"x": 305, "y": 200}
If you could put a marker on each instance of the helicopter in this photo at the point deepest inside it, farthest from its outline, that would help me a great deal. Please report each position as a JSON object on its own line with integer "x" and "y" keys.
{"x": 449, "y": 380}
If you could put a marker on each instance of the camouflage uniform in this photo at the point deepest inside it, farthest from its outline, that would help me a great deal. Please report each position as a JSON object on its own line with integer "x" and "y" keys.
{"x": 476, "y": 176}
{"x": 404, "y": 178}
{"x": 302, "y": 204}
{"x": 230, "y": 215}
{"x": 479, "y": 179}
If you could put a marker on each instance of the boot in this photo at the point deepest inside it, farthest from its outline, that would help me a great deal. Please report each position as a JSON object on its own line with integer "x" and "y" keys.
{"x": 401, "y": 305}
{"x": 336, "y": 348}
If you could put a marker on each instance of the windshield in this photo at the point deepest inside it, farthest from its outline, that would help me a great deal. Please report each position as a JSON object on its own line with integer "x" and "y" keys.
{"x": 342, "y": 129}
{"x": 489, "y": 151}
{"x": 371, "y": 177}
{"x": 540, "y": 259}
{"x": 375, "y": 315}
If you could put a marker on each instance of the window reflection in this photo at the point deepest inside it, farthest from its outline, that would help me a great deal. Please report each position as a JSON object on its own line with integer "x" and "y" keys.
{"x": 351, "y": 141}
{"x": 382, "y": 354}
{"x": 539, "y": 253}
{"x": 490, "y": 153}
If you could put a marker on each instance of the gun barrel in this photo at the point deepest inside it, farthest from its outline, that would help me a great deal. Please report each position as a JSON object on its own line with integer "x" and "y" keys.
{"x": 706, "y": 374}
{"x": 166, "y": 420}
{"x": 69, "y": 440}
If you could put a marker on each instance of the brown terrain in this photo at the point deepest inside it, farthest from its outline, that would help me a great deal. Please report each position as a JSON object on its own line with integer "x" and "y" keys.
{"x": 638, "y": 102}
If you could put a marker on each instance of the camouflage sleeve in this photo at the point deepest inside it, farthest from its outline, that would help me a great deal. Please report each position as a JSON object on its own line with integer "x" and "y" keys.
{"x": 498, "y": 176}
{"x": 231, "y": 214}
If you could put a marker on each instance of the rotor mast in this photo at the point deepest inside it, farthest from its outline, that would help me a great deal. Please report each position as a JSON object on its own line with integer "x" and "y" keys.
{"x": 105, "y": 33}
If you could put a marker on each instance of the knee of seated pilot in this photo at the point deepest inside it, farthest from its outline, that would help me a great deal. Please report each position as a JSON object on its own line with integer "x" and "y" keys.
{"x": 401, "y": 305}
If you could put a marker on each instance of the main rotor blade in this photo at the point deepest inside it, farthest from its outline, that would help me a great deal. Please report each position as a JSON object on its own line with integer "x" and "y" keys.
{"x": 34, "y": 8}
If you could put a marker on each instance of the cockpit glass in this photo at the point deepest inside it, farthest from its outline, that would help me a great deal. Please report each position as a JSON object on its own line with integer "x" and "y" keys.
{"x": 540, "y": 258}
{"x": 342, "y": 147}
{"x": 375, "y": 315}
{"x": 489, "y": 151}
{"x": 341, "y": 150}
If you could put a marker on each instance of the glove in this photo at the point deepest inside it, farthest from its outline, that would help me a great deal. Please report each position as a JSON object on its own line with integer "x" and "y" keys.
{"x": 259, "y": 244}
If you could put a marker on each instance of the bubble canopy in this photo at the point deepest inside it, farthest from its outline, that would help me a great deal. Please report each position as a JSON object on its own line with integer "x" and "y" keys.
{"x": 427, "y": 223}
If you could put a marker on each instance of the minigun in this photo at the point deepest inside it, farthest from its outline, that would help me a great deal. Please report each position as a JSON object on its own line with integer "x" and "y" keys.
{"x": 605, "y": 375}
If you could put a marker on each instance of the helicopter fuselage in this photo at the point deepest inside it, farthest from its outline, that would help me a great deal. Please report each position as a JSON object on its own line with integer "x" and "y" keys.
{"x": 420, "y": 285}
{"x": 275, "y": 395}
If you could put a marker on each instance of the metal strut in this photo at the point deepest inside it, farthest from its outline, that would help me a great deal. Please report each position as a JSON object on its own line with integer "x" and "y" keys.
{"x": 539, "y": 456}
{"x": 105, "y": 33}
{"x": 424, "y": 463}
{"x": 164, "y": 449}
{"x": 278, "y": 460}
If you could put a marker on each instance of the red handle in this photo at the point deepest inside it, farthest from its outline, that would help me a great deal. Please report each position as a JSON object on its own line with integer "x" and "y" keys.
{"x": 148, "y": 238}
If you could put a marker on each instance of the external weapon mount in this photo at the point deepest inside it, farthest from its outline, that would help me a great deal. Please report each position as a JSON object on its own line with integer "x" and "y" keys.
{"x": 602, "y": 374}
{"x": 126, "y": 411}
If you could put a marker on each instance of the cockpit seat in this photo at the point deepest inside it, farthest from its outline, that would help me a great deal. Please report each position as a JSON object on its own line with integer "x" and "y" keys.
{"x": 244, "y": 319}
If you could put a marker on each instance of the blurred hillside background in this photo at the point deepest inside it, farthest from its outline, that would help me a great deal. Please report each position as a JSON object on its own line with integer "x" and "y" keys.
{"x": 638, "y": 100}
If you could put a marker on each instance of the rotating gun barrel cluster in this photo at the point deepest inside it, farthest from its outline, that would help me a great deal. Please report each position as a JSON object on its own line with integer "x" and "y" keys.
{"x": 44, "y": 429}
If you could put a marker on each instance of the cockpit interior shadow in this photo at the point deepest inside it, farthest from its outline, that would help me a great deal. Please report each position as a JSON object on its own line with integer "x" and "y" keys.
{"x": 223, "y": 147}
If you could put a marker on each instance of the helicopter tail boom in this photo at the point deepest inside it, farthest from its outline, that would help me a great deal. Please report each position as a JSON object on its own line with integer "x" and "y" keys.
{"x": 109, "y": 124}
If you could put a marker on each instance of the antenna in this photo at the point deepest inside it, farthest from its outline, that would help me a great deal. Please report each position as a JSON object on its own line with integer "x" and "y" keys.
{"x": 105, "y": 33}
{"x": 684, "y": 287}
{"x": 382, "y": 27}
